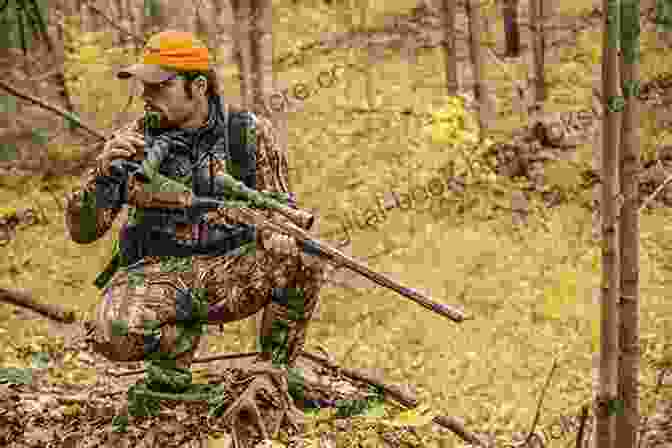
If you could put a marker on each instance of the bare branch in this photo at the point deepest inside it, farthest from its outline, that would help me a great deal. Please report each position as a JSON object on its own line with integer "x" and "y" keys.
{"x": 42, "y": 103}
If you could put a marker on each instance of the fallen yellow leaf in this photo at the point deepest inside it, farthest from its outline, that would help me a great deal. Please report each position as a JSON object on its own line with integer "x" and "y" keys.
{"x": 412, "y": 417}
{"x": 225, "y": 441}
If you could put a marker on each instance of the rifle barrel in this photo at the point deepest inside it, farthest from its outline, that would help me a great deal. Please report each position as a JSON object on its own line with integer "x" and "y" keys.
{"x": 336, "y": 257}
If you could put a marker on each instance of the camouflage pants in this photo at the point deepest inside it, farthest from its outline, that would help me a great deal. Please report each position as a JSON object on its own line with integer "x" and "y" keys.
{"x": 235, "y": 286}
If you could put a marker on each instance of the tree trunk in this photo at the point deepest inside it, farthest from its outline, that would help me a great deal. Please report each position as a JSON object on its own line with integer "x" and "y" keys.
{"x": 449, "y": 13}
{"x": 538, "y": 49}
{"x": 242, "y": 10}
{"x": 262, "y": 54}
{"x": 476, "y": 56}
{"x": 628, "y": 421}
{"x": 605, "y": 418}
{"x": 511, "y": 29}
{"x": 223, "y": 35}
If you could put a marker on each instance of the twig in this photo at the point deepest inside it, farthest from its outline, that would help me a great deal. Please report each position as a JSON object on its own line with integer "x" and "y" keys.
{"x": 541, "y": 400}
{"x": 582, "y": 425}
{"x": 660, "y": 188}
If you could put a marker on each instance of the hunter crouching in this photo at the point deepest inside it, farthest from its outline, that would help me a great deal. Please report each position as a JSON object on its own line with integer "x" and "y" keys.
{"x": 168, "y": 276}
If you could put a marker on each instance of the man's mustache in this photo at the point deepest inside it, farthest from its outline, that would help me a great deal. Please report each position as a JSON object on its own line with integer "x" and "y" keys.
{"x": 149, "y": 107}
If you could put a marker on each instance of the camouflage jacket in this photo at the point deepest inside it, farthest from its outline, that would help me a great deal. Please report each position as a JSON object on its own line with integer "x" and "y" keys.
{"x": 193, "y": 156}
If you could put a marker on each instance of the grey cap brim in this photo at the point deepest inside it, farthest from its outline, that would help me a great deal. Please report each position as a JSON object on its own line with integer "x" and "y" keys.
{"x": 146, "y": 73}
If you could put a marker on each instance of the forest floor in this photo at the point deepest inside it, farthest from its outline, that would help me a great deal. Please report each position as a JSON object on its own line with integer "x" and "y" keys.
{"x": 533, "y": 289}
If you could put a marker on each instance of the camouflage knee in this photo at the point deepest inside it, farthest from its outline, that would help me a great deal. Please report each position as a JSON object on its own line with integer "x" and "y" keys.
{"x": 128, "y": 326}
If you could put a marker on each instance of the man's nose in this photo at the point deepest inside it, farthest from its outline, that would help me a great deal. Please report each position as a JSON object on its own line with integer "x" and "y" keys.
{"x": 147, "y": 92}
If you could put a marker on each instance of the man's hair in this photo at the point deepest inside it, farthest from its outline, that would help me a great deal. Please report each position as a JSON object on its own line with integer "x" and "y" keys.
{"x": 210, "y": 76}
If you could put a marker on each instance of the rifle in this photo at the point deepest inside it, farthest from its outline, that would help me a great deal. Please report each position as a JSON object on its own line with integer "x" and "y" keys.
{"x": 182, "y": 198}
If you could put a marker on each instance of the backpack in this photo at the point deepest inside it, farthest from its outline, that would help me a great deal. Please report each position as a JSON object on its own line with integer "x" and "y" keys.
{"x": 243, "y": 157}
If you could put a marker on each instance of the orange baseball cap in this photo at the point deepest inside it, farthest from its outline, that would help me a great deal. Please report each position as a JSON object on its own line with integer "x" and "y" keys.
{"x": 165, "y": 54}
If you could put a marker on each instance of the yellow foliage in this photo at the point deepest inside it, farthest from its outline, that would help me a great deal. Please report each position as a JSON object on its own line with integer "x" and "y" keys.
{"x": 7, "y": 211}
{"x": 89, "y": 54}
{"x": 412, "y": 418}
{"x": 457, "y": 131}
{"x": 560, "y": 297}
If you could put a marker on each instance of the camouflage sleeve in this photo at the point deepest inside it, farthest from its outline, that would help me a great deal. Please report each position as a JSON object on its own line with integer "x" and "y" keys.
{"x": 271, "y": 175}
{"x": 85, "y": 221}
{"x": 272, "y": 165}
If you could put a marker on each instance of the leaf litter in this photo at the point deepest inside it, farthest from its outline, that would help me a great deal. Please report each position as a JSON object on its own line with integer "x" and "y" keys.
{"x": 61, "y": 394}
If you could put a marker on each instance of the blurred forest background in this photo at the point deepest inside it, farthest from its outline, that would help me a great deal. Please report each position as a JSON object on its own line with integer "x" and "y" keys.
{"x": 510, "y": 239}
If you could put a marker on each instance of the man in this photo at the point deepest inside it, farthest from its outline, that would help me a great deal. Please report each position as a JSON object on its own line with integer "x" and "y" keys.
{"x": 169, "y": 269}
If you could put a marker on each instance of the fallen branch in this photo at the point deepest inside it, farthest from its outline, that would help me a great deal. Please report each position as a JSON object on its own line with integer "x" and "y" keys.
{"x": 25, "y": 300}
{"x": 399, "y": 395}
{"x": 452, "y": 423}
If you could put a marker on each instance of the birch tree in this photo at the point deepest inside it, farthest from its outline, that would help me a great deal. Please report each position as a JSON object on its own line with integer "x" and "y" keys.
{"x": 606, "y": 401}
{"x": 628, "y": 421}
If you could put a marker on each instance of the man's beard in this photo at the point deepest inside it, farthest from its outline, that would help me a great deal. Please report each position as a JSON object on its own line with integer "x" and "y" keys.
{"x": 153, "y": 119}
{"x": 157, "y": 120}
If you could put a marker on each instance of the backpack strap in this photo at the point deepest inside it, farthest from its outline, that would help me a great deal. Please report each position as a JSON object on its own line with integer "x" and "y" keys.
{"x": 242, "y": 146}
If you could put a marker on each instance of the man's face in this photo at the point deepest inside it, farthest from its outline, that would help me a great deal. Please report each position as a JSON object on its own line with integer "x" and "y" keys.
{"x": 170, "y": 100}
